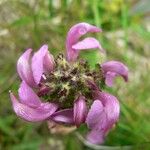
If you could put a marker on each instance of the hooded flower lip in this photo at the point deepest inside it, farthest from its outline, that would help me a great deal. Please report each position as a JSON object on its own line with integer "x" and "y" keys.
{"x": 112, "y": 69}
{"x": 30, "y": 108}
{"x": 42, "y": 61}
{"x": 30, "y": 69}
{"x": 103, "y": 114}
{"x": 24, "y": 68}
{"x": 73, "y": 45}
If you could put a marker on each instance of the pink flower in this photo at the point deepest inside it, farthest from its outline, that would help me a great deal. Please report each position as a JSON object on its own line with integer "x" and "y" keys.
{"x": 69, "y": 88}
{"x": 73, "y": 45}
{"x": 102, "y": 115}
{"x": 29, "y": 107}
{"x": 31, "y": 68}
{"x": 112, "y": 69}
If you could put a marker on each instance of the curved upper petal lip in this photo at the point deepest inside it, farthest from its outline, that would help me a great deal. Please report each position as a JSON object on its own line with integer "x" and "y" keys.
{"x": 112, "y": 69}
{"x": 24, "y": 68}
{"x": 42, "y": 62}
{"x": 74, "y": 35}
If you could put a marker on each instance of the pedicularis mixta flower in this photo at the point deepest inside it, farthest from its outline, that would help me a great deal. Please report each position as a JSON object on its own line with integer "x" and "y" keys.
{"x": 65, "y": 90}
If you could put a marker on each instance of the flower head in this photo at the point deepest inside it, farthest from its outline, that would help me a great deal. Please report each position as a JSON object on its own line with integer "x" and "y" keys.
{"x": 66, "y": 90}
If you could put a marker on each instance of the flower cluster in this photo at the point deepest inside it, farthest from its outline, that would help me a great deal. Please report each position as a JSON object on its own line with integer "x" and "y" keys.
{"x": 65, "y": 90}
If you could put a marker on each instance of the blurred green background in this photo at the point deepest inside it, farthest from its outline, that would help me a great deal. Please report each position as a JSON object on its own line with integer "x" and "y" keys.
{"x": 126, "y": 36}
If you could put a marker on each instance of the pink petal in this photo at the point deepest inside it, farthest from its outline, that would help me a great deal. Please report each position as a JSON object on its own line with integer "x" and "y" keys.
{"x": 32, "y": 114}
{"x": 28, "y": 96}
{"x": 80, "y": 111}
{"x": 63, "y": 116}
{"x": 115, "y": 67}
{"x": 41, "y": 61}
{"x": 73, "y": 37}
{"x": 48, "y": 106}
{"x": 95, "y": 136}
{"x": 94, "y": 114}
{"x": 24, "y": 68}
{"x": 103, "y": 114}
{"x": 48, "y": 62}
{"x": 109, "y": 78}
{"x": 95, "y": 120}
{"x": 111, "y": 105}
{"x": 88, "y": 43}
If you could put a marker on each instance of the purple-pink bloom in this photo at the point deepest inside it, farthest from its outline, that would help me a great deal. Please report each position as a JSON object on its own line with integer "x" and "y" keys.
{"x": 69, "y": 89}
{"x": 113, "y": 69}
{"x": 102, "y": 115}
{"x": 73, "y": 45}
{"x": 30, "y": 68}
{"x": 29, "y": 106}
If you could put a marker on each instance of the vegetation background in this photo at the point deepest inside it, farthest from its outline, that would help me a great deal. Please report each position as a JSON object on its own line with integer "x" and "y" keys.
{"x": 126, "y": 36}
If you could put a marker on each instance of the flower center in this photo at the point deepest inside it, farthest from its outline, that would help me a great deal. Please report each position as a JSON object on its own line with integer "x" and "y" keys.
{"x": 68, "y": 80}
